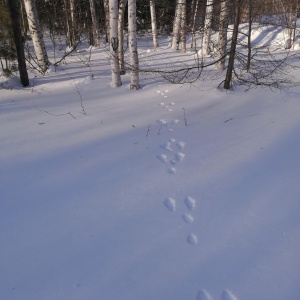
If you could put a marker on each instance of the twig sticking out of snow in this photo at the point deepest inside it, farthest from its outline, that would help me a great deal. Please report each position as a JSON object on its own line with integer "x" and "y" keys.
{"x": 148, "y": 130}
{"x": 55, "y": 115}
{"x": 184, "y": 117}
{"x": 77, "y": 89}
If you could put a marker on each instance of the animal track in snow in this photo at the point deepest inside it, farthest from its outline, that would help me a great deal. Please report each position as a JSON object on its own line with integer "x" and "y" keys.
{"x": 227, "y": 295}
{"x": 163, "y": 122}
{"x": 163, "y": 93}
{"x": 173, "y": 162}
{"x": 167, "y": 146}
{"x": 179, "y": 156}
{"x": 190, "y": 203}
{"x": 168, "y": 124}
{"x": 170, "y": 204}
{"x": 180, "y": 145}
{"x": 162, "y": 157}
{"x": 187, "y": 218}
{"x": 203, "y": 295}
{"x": 171, "y": 170}
{"x": 174, "y": 122}
{"x": 192, "y": 239}
{"x": 168, "y": 106}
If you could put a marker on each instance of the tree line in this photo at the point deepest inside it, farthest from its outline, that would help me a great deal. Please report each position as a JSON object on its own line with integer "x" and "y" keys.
{"x": 69, "y": 22}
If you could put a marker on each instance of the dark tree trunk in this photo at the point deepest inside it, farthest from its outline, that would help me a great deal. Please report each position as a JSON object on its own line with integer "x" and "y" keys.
{"x": 14, "y": 6}
{"x": 249, "y": 34}
{"x": 228, "y": 78}
{"x": 68, "y": 24}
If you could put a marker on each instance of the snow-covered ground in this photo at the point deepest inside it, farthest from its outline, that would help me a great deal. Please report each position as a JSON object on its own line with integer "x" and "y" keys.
{"x": 172, "y": 192}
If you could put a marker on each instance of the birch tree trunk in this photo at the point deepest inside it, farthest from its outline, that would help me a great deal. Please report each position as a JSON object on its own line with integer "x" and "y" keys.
{"x": 176, "y": 25}
{"x": 193, "y": 41}
{"x": 96, "y": 35}
{"x": 36, "y": 35}
{"x": 222, "y": 42}
{"x": 122, "y": 5}
{"x": 113, "y": 32}
{"x": 14, "y": 6}
{"x": 134, "y": 60}
{"x": 183, "y": 26}
{"x": 207, "y": 28}
{"x": 153, "y": 24}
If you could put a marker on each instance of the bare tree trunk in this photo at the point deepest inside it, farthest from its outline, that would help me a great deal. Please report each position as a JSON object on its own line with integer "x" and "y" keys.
{"x": 134, "y": 60}
{"x": 69, "y": 36}
{"x": 153, "y": 24}
{"x": 288, "y": 13}
{"x": 176, "y": 25}
{"x": 192, "y": 10}
{"x": 96, "y": 35}
{"x": 295, "y": 24}
{"x": 295, "y": 13}
{"x": 36, "y": 35}
{"x": 290, "y": 40}
{"x": 249, "y": 35}
{"x": 107, "y": 14}
{"x": 222, "y": 42}
{"x": 228, "y": 78}
{"x": 193, "y": 41}
{"x": 14, "y": 6}
{"x": 113, "y": 22}
{"x": 207, "y": 28}
{"x": 122, "y": 5}
{"x": 74, "y": 22}
{"x": 183, "y": 26}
